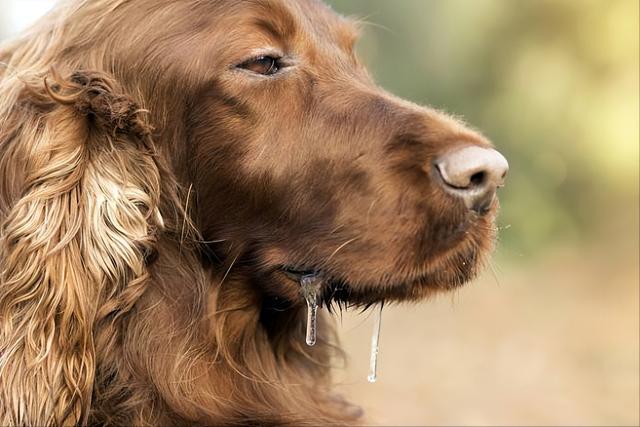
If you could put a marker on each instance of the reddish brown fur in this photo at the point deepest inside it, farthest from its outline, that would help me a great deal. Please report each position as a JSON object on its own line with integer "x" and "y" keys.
{"x": 150, "y": 191}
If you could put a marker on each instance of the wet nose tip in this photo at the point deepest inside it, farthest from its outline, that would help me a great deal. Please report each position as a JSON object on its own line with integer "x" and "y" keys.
{"x": 472, "y": 167}
{"x": 473, "y": 173}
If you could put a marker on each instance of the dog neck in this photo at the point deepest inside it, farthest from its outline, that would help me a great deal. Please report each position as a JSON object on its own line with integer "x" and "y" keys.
{"x": 199, "y": 345}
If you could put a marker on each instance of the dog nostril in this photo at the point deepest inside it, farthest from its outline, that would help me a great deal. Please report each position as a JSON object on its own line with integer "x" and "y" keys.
{"x": 477, "y": 178}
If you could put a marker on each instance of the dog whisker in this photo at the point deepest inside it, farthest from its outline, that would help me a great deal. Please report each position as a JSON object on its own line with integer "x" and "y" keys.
{"x": 342, "y": 246}
{"x": 494, "y": 272}
{"x": 229, "y": 269}
{"x": 373, "y": 202}
{"x": 184, "y": 219}
{"x": 212, "y": 241}
{"x": 335, "y": 230}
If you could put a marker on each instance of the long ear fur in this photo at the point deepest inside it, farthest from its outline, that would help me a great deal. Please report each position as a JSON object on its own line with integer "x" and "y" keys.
{"x": 79, "y": 194}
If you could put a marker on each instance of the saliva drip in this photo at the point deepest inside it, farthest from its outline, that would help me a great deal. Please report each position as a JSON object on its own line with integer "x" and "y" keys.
{"x": 310, "y": 288}
{"x": 310, "y": 285}
{"x": 375, "y": 341}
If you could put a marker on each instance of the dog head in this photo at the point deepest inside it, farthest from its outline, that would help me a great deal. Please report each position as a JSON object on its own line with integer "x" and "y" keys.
{"x": 301, "y": 163}
{"x": 297, "y": 161}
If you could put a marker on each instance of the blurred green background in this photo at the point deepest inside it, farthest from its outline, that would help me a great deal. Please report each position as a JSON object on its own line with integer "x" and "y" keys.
{"x": 549, "y": 335}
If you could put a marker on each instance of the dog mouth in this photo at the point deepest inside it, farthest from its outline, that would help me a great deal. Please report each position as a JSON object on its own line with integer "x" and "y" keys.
{"x": 332, "y": 293}
{"x": 364, "y": 276}
{"x": 414, "y": 276}
{"x": 338, "y": 291}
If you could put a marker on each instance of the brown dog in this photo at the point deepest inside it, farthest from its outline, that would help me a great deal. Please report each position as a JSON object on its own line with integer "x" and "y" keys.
{"x": 171, "y": 169}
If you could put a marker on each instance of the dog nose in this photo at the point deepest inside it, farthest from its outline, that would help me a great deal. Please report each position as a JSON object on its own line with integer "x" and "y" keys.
{"x": 473, "y": 173}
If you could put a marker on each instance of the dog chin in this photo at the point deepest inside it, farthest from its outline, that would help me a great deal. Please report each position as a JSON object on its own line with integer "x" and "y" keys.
{"x": 414, "y": 281}
{"x": 415, "y": 289}
{"x": 446, "y": 274}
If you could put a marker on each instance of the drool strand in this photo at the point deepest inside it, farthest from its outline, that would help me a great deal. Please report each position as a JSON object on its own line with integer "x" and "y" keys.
{"x": 375, "y": 340}
{"x": 310, "y": 286}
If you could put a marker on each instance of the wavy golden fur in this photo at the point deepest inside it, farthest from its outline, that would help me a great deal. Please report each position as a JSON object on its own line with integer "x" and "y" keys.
{"x": 145, "y": 212}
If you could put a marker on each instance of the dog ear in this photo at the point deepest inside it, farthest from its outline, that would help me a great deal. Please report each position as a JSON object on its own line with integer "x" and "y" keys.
{"x": 79, "y": 195}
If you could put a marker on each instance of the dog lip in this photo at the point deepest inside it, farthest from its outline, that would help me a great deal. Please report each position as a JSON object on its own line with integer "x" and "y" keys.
{"x": 440, "y": 275}
{"x": 338, "y": 291}
{"x": 297, "y": 273}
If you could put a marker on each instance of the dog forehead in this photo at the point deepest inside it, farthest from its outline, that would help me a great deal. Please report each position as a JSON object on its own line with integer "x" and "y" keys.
{"x": 291, "y": 20}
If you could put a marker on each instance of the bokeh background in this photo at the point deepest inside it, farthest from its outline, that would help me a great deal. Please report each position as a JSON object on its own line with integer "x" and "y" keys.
{"x": 549, "y": 335}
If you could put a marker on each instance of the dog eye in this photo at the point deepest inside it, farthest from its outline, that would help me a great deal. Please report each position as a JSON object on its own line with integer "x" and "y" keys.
{"x": 265, "y": 65}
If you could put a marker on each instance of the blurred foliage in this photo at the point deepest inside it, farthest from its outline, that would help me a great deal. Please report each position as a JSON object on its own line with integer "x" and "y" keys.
{"x": 554, "y": 84}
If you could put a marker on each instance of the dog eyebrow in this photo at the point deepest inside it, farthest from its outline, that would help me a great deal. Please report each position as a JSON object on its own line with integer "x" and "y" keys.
{"x": 276, "y": 20}
{"x": 278, "y": 32}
